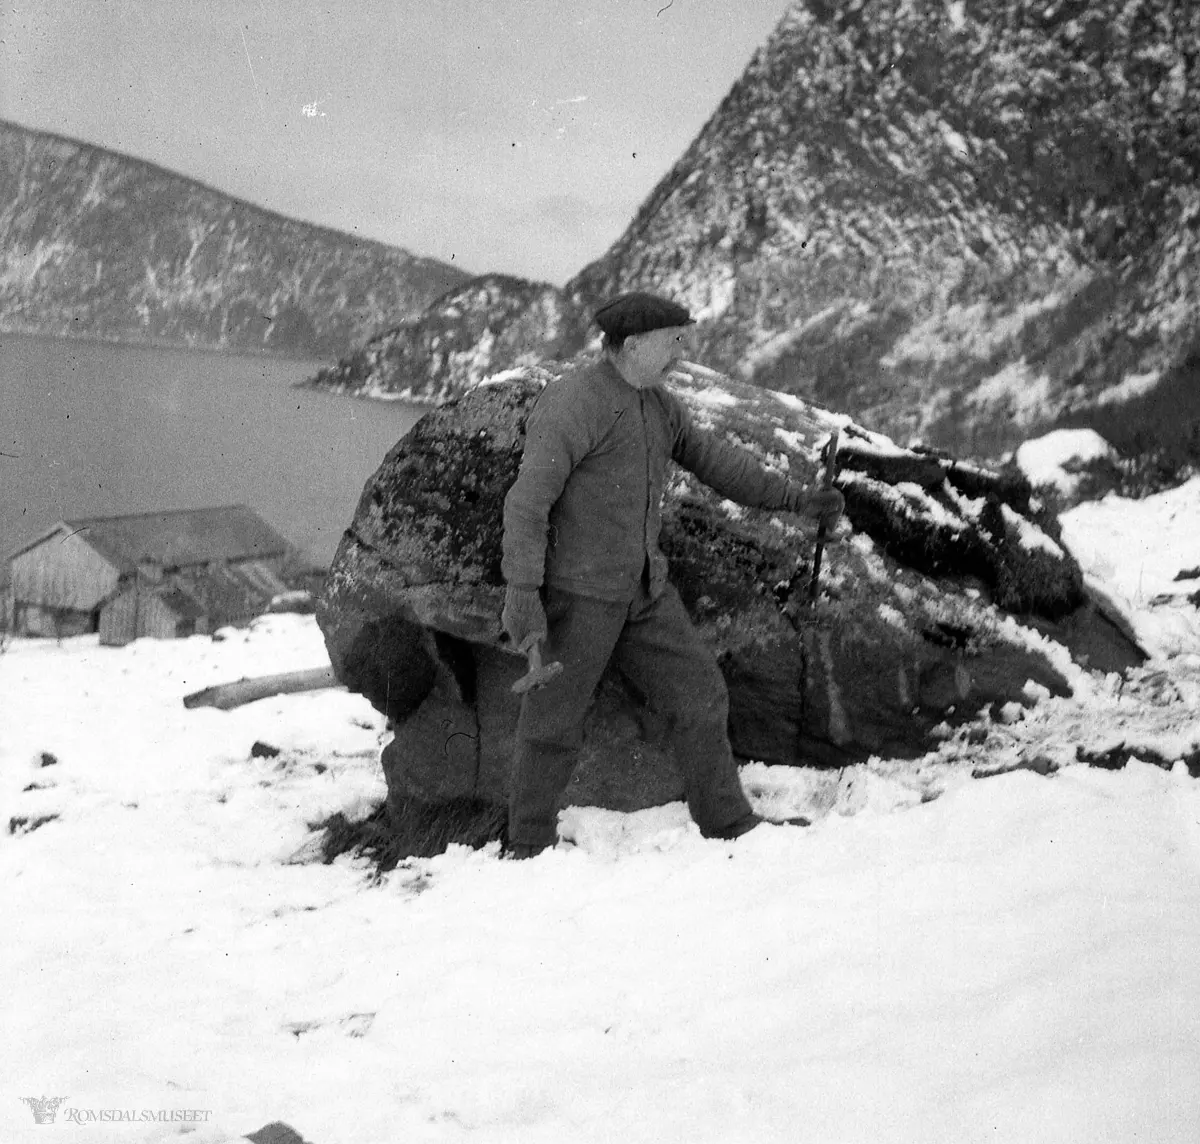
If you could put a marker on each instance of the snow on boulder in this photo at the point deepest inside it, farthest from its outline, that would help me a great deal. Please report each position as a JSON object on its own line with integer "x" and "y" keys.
{"x": 912, "y": 629}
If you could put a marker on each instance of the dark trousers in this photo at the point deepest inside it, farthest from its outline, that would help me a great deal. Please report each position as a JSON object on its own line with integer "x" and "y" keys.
{"x": 653, "y": 644}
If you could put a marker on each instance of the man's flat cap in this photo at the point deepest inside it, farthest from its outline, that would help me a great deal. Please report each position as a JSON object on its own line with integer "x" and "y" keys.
{"x": 638, "y": 313}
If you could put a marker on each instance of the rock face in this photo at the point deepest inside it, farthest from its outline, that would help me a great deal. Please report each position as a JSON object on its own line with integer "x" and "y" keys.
{"x": 101, "y": 245}
{"x": 912, "y": 628}
{"x": 488, "y": 324}
{"x": 955, "y": 221}
{"x": 960, "y": 222}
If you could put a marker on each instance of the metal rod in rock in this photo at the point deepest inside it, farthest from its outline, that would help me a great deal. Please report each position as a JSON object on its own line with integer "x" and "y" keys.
{"x": 814, "y": 585}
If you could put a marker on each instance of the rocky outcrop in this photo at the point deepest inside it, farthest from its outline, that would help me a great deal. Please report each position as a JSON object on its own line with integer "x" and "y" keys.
{"x": 101, "y": 245}
{"x": 486, "y": 325}
{"x": 913, "y": 628}
{"x": 958, "y": 222}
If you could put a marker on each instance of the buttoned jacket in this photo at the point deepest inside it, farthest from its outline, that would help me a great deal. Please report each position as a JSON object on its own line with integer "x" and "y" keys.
{"x": 585, "y": 512}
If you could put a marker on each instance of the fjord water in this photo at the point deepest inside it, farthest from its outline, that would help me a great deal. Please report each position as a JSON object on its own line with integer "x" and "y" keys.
{"x": 92, "y": 429}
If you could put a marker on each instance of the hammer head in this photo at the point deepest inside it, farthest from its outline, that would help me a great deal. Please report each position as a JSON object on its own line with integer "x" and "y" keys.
{"x": 538, "y": 675}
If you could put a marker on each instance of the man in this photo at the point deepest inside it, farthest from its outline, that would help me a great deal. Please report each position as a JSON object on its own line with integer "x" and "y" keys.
{"x": 585, "y": 574}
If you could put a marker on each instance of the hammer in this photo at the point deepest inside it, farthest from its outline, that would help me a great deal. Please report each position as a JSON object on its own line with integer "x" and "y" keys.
{"x": 822, "y": 531}
{"x": 539, "y": 674}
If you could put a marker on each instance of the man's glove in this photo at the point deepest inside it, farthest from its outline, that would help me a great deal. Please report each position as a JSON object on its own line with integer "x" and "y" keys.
{"x": 523, "y": 617}
{"x": 826, "y": 505}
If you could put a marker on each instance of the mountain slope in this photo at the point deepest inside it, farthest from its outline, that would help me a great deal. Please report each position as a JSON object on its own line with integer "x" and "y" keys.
{"x": 487, "y": 324}
{"x": 956, "y": 220}
{"x": 98, "y": 244}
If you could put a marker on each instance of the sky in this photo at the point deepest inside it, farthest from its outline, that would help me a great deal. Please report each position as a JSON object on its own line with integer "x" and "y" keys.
{"x": 503, "y": 135}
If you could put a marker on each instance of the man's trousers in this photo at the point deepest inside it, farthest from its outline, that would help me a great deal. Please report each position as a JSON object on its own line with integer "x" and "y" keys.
{"x": 652, "y": 642}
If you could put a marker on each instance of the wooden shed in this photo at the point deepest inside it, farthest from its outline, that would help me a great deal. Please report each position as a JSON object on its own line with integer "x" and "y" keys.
{"x": 157, "y": 611}
{"x": 160, "y": 574}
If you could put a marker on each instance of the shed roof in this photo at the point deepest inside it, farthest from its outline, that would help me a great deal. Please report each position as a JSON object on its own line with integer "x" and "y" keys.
{"x": 181, "y": 538}
{"x": 227, "y": 592}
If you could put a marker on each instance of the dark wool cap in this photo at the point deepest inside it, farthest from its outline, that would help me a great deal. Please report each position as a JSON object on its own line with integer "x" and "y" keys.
{"x": 638, "y": 313}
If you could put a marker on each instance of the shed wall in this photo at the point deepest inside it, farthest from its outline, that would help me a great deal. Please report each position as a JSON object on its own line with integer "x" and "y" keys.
{"x": 156, "y": 620}
{"x": 118, "y": 620}
{"x": 60, "y": 623}
{"x": 62, "y": 572}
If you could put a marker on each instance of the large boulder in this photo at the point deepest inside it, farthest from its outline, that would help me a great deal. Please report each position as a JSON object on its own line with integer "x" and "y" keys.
{"x": 914, "y": 626}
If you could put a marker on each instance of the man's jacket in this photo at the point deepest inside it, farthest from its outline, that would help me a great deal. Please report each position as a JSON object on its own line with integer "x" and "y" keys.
{"x": 585, "y": 512}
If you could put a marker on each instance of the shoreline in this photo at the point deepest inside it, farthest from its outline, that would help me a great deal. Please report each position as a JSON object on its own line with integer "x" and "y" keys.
{"x": 165, "y": 344}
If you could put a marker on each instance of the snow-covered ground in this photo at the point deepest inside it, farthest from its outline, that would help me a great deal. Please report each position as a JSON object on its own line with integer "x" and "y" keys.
{"x": 940, "y": 957}
{"x": 1135, "y": 558}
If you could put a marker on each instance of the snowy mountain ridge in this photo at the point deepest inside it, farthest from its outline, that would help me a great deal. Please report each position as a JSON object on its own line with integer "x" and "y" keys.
{"x": 101, "y": 245}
